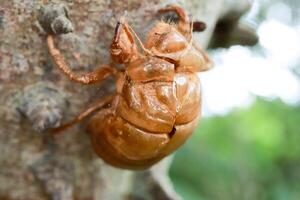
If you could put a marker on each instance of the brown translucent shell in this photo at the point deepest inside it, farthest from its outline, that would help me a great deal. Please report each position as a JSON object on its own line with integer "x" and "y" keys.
{"x": 156, "y": 110}
{"x": 157, "y": 103}
{"x": 123, "y": 145}
{"x": 166, "y": 41}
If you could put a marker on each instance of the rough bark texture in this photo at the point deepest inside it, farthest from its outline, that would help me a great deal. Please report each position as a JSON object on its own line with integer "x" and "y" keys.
{"x": 34, "y": 95}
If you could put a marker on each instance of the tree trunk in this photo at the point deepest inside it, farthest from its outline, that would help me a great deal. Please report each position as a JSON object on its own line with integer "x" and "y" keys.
{"x": 34, "y": 96}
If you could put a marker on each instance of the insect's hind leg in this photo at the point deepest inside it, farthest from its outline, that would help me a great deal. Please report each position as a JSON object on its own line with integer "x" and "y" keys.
{"x": 99, "y": 74}
{"x": 98, "y": 105}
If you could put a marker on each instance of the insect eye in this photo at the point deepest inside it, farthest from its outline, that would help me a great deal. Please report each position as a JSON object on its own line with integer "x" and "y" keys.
{"x": 170, "y": 18}
{"x": 198, "y": 26}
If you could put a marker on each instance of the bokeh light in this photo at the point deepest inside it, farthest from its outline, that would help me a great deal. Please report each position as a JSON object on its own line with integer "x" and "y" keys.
{"x": 247, "y": 144}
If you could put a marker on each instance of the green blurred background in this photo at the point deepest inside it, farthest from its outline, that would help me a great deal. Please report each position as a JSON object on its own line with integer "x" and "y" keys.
{"x": 250, "y": 149}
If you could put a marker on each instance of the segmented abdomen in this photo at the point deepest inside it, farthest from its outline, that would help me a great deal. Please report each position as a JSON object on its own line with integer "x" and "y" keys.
{"x": 149, "y": 121}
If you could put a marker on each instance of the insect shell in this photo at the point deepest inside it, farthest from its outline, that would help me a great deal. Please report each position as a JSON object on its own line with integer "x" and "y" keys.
{"x": 157, "y": 103}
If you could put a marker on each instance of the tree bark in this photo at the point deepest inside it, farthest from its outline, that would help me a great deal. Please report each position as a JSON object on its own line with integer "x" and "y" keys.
{"x": 34, "y": 96}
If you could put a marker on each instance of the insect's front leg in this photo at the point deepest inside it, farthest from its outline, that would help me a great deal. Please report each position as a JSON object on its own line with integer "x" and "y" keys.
{"x": 101, "y": 72}
{"x": 123, "y": 48}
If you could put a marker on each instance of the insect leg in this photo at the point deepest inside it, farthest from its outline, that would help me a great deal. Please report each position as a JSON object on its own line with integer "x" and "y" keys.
{"x": 98, "y": 105}
{"x": 99, "y": 74}
{"x": 123, "y": 48}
